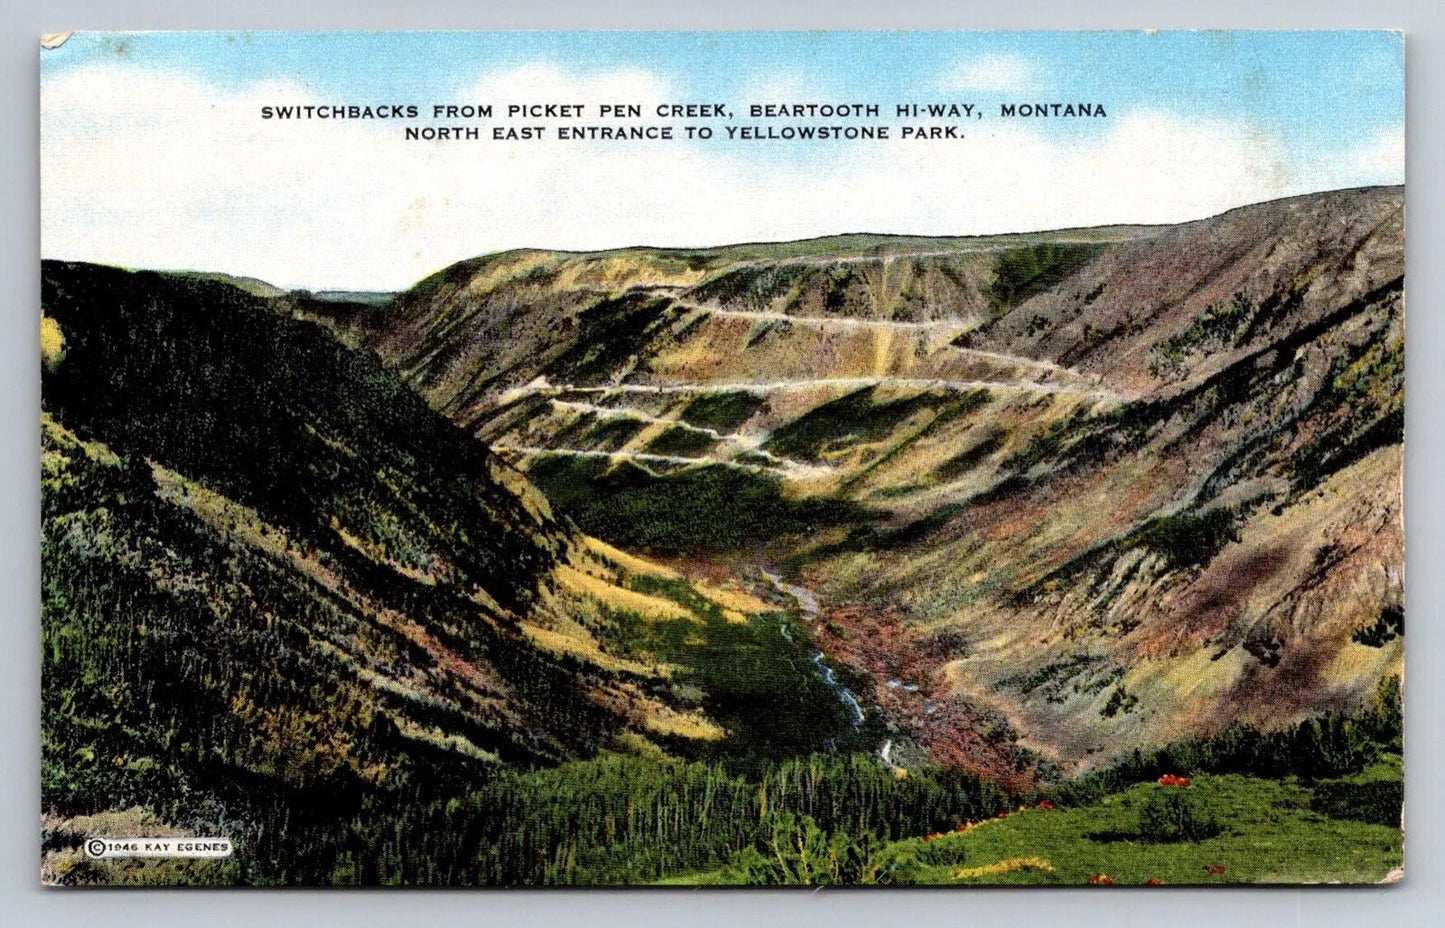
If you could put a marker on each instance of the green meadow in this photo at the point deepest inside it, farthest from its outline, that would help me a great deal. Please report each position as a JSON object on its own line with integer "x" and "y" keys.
{"x": 1270, "y": 831}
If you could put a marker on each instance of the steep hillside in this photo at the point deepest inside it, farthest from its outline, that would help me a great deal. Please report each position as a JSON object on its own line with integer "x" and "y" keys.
{"x": 1089, "y": 490}
{"x": 1226, "y": 546}
{"x": 275, "y": 580}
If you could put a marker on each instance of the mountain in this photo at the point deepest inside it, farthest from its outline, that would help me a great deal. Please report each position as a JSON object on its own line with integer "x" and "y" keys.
{"x": 1075, "y": 492}
{"x": 277, "y": 585}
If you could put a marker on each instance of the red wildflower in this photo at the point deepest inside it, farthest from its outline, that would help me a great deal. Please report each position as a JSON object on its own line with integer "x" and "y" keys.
{"x": 1153, "y": 881}
{"x": 1215, "y": 869}
{"x": 1046, "y": 806}
{"x": 1170, "y": 779}
{"x": 1101, "y": 879}
{"x": 1003, "y": 815}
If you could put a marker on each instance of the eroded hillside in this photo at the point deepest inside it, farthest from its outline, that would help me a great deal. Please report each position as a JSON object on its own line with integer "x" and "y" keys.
{"x": 1089, "y": 489}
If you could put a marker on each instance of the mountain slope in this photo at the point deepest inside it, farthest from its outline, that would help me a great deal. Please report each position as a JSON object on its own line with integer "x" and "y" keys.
{"x": 1219, "y": 548}
{"x": 1119, "y": 485}
{"x": 270, "y": 570}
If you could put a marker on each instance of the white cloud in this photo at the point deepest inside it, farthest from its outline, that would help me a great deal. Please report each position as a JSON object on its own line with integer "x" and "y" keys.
{"x": 166, "y": 171}
{"x": 545, "y": 81}
{"x": 992, "y": 74}
{"x": 1378, "y": 160}
{"x": 777, "y": 87}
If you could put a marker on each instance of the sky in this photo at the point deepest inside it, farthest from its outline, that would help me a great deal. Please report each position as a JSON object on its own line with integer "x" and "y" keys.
{"x": 154, "y": 152}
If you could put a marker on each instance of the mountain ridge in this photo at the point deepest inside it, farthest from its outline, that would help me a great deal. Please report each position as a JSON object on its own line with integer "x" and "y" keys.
{"x": 1228, "y": 363}
{"x": 611, "y": 568}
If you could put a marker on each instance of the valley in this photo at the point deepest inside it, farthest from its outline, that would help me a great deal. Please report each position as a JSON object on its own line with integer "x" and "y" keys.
{"x": 1112, "y": 461}
{"x": 876, "y": 536}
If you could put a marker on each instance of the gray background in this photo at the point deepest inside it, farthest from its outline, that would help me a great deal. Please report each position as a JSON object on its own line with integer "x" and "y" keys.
{"x": 23, "y": 903}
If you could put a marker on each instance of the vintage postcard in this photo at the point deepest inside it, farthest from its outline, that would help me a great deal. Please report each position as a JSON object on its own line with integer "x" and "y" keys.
{"x": 617, "y": 459}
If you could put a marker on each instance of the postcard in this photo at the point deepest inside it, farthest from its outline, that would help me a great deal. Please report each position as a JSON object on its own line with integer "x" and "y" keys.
{"x": 774, "y": 459}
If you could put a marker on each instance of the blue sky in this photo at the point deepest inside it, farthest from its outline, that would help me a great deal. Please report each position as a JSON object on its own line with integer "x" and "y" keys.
{"x": 1285, "y": 112}
{"x": 1319, "y": 89}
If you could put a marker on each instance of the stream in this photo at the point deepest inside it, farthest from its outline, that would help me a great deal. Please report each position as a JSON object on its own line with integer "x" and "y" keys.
{"x": 807, "y": 602}
{"x": 808, "y": 605}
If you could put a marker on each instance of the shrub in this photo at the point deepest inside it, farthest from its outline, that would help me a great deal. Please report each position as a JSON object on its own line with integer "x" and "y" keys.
{"x": 1376, "y": 802}
{"x": 710, "y": 507}
{"x": 942, "y": 852}
{"x": 858, "y": 417}
{"x": 1389, "y": 626}
{"x": 1188, "y": 540}
{"x": 799, "y": 852}
{"x": 1319, "y": 748}
{"x": 1385, "y": 722}
{"x": 1120, "y": 701}
{"x": 683, "y": 442}
{"x": 1173, "y": 815}
{"x": 722, "y": 411}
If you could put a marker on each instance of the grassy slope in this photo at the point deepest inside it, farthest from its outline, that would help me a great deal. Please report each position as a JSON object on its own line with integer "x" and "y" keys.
{"x": 752, "y": 673}
{"x": 707, "y": 507}
{"x": 1269, "y": 835}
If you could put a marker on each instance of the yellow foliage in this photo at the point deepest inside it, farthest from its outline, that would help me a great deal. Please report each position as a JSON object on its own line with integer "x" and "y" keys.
{"x": 882, "y": 351}
{"x": 664, "y": 721}
{"x": 581, "y": 647}
{"x": 52, "y": 343}
{"x": 1201, "y": 675}
{"x": 1003, "y": 866}
{"x": 507, "y": 270}
{"x": 648, "y": 607}
{"x": 442, "y": 739}
{"x": 629, "y": 562}
{"x": 734, "y": 600}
